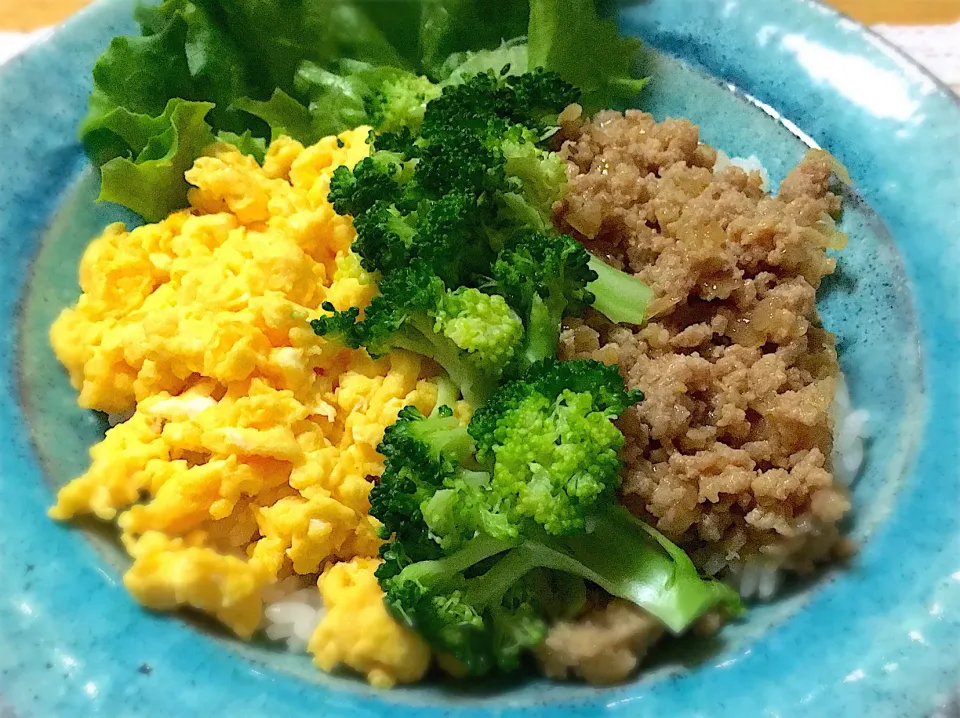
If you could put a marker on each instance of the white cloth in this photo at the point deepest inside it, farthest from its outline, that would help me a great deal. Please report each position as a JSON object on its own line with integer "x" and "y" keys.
{"x": 936, "y": 47}
{"x": 13, "y": 43}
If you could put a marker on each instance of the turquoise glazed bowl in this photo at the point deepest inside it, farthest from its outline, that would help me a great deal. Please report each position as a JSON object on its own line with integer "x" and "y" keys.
{"x": 880, "y": 637}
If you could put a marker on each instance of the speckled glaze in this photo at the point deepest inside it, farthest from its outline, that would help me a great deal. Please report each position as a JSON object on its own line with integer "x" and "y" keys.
{"x": 880, "y": 638}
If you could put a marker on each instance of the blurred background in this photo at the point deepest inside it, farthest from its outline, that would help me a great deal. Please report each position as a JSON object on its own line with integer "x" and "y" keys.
{"x": 929, "y": 30}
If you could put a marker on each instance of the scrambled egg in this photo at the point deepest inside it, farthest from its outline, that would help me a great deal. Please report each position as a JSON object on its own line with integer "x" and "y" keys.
{"x": 378, "y": 648}
{"x": 250, "y": 445}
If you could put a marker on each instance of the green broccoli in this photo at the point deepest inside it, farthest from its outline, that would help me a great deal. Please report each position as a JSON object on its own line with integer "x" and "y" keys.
{"x": 550, "y": 444}
{"x": 448, "y": 191}
{"x": 353, "y": 93}
{"x": 546, "y": 277}
{"x": 543, "y": 277}
{"x": 537, "y": 177}
{"x": 464, "y": 202}
{"x": 545, "y": 456}
{"x": 482, "y": 325}
{"x": 446, "y": 232}
{"x": 484, "y": 607}
{"x": 472, "y": 336}
{"x": 532, "y": 100}
{"x": 377, "y": 178}
{"x": 479, "y": 518}
{"x": 420, "y": 452}
{"x": 384, "y": 238}
{"x": 620, "y": 297}
{"x": 482, "y": 623}
{"x": 435, "y": 234}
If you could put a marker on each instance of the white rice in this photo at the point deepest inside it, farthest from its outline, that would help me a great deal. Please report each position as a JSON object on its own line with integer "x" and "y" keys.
{"x": 760, "y": 579}
{"x": 756, "y": 578}
{"x": 293, "y": 610}
{"x": 850, "y": 433}
{"x": 747, "y": 164}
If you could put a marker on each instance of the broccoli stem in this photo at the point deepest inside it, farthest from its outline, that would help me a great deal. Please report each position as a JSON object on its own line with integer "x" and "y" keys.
{"x": 433, "y": 573}
{"x": 489, "y": 589}
{"x": 563, "y": 595}
{"x": 446, "y": 436}
{"x": 622, "y": 555}
{"x": 633, "y": 561}
{"x": 620, "y": 297}
{"x": 543, "y": 327}
{"x": 419, "y": 338}
{"x": 447, "y": 393}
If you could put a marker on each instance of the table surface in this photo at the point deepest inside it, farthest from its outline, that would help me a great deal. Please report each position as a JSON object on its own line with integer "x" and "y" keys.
{"x": 31, "y": 14}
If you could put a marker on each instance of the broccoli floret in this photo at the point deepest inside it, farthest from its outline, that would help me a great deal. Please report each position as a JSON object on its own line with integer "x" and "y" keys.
{"x": 428, "y": 461}
{"x": 468, "y": 106}
{"x": 533, "y": 99}
{"x": 480, "y": 517}
{"x": 476, "y": 164}
{"x": 392, "y": 318}
{"x": 465, "y": 201}
{"x": 543, "y": 277}
{"x": 421, "y": 453}
{"x": 354, "y": 93}
{"x": 338, "y": 326}
{"x": 545, "y": 457}
{"x": 384, "y": 238}
{"x": 482, "y": 325}
{"x": 400, "y": 102}
{"x": 485, "y": 135}
{"x": 547, "y": 277}
{"x": 482, "y": 623}
{"x": 439, "y": 233}
{"x": 414, "y": 311}
{"x": 446, "y": 237}
{"x": 464, "y": 158}
{"x": 402, "y": 142}
{"x": 377, "y": 178}
{"x": 539, "y": 96}
{"x": 550, "y": 444}
{"x": 538, "y": 176}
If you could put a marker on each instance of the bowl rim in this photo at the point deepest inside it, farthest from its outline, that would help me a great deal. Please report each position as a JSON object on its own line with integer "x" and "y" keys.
{"x": 296, "y": 697}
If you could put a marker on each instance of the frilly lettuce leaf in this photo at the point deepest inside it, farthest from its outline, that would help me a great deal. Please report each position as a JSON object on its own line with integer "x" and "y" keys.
{"x": 568, "y": 37}
{"x": 455, "y": 26}
{"x": 511, "y": 55}
{"x": 282, "y": 114}
{"x": 151, "y": 183}
{"x": 133, "y": 81}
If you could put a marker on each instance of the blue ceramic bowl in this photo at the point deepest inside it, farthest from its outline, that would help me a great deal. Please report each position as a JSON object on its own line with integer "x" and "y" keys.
{"x": 879, "y": 638}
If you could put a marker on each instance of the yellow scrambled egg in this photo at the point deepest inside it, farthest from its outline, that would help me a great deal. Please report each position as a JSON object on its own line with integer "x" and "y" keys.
{"x": 250, "y": 445}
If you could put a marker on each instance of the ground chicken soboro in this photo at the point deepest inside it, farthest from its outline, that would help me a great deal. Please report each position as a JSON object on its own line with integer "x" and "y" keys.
{"x": 605, "y": 645}
{"x": 728, "y": 454}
